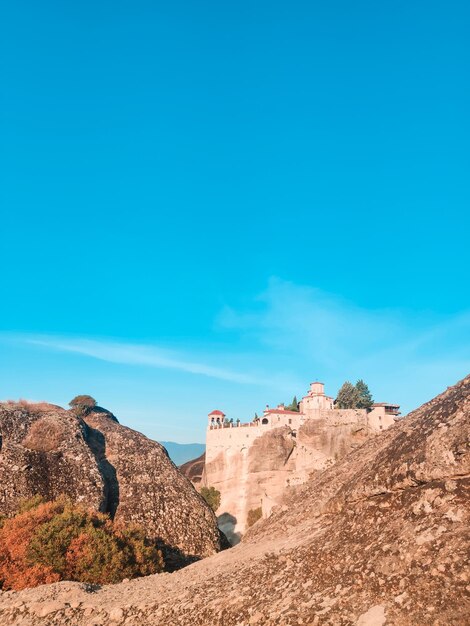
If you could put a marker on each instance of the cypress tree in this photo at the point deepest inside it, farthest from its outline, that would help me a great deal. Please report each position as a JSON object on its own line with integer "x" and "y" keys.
{"x": 365, "y": 396}
{"x": 294, "y": 405}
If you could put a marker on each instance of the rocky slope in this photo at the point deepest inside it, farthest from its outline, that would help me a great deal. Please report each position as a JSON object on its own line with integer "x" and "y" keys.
{"x": 181, "y": 453}
{"x": 194, "y": 469}
{"x": 47, "y": 450}
{"x": 379, "y": 539}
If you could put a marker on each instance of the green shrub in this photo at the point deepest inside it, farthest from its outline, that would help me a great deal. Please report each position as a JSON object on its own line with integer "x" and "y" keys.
{"x": 211, "y": 496}
{"x": 64, "y": 541}
{"x": 82, "y": 404}
{"x": 30, "y": 503}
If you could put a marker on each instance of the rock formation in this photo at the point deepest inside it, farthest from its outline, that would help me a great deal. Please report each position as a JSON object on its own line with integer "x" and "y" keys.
{"x": 44, "y": 450}
{"x": 194, "y": 469}
{"x": 47, "y": 450}
{"x": 256, "y": 474}
{"x": 181, "y": 453}
{"x": 379, "y": 539}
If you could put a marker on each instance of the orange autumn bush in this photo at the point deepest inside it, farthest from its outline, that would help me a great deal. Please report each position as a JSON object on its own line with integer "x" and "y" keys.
{"x": 51, "y": 541}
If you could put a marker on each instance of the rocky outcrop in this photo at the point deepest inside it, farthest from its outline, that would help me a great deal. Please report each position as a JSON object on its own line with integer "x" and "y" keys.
{"x": 379, "y": 539}
{"x": 95, "y": 460}
{"x": 194, "y": 469}
{"x": 256, "y": 474}
{"x": 44, "y": 450}
{"x": 150, "y": 490}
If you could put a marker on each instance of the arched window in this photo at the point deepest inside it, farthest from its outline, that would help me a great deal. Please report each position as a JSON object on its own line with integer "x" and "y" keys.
{"x": 265, "y": 420}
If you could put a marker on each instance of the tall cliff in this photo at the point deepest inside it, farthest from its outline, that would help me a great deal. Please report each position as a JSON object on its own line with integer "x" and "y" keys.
{"x": 381, "y": 538}
{"x": 252, "y": 474}
{"x": 47, "y": 450}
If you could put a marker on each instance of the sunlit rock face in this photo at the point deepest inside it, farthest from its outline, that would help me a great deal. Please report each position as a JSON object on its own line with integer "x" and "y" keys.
{"x": 44, "y": 451}
{"x": 380, "y": 538}
{"x": 252, "y": 464}
{"x": 95, "y": 460}
{"x": 252, "y": 468}
{"x": 152, "y": 492}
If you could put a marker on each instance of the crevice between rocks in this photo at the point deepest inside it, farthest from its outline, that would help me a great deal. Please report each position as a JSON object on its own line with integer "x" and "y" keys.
{"x": 97, "y": 444}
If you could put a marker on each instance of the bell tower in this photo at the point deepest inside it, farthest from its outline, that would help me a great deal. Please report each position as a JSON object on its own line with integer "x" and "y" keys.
{"x": 215, "y": 419}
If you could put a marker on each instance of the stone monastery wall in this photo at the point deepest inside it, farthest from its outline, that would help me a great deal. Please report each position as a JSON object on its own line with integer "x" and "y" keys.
{"x": 252, "y": 464}
{"x": 314, "y": 406}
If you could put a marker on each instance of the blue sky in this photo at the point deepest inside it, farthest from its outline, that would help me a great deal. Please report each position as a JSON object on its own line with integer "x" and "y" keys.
{"x": 212, "y": 204}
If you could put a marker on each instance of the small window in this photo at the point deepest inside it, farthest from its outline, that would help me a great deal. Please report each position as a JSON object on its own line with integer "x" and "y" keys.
{"x": 264, "y": 420}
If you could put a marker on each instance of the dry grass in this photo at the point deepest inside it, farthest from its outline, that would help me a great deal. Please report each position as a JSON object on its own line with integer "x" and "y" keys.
{"x": 30, "y": 404}
{"x": 45, "y": 435}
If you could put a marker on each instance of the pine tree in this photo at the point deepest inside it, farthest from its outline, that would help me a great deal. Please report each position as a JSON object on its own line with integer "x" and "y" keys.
{"x": 348, "y": 397}
{"x": 365, "y": 396}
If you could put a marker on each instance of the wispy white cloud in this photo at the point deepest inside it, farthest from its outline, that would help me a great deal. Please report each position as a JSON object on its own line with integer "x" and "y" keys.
{"x": 291, "y": 334}
{"x": 136, "y": 354}
{"x": 308, "y": 321}
{"x": 407, "y": 356}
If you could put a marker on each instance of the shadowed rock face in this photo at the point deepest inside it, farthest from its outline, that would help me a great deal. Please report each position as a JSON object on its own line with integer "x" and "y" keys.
{"x": 95, "y": 460}
{"x": 151, "y": 490}
{"x": 193, "y": 469}
{"x": 379, "y": 539}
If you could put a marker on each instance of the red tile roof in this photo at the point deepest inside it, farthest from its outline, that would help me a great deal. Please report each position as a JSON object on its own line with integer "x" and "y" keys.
{"x": 216, "y": 412}
{"x": 282, "y": 411}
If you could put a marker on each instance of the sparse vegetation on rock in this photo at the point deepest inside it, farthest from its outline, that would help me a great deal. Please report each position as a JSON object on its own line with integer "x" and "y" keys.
{"x": 51, "y": 541}
{"x": 96, "y": 461}
{"x": 211, "y": 496}
{"x": 253, "y": 516}
{"x": 82, "y": 404}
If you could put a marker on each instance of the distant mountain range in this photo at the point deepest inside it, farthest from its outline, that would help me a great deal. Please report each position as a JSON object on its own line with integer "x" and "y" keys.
{"x": 182, "y": 452}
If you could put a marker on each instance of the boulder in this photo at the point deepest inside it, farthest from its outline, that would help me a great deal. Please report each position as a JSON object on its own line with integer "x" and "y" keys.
{"x": 94, "y": 460}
